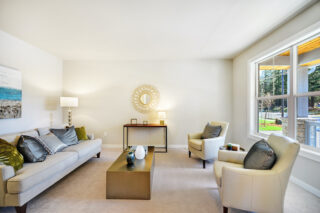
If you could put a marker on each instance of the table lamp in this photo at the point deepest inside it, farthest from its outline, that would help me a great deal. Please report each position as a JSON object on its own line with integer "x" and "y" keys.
{"x": 162, "y": 116}
{"x": 69, "y": 102}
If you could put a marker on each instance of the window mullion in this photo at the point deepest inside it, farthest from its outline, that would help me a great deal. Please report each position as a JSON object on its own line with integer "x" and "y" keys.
{"x": 292, "y": 91}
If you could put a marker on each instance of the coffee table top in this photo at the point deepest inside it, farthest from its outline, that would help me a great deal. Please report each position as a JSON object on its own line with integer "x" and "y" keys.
{"x": 144, "y": 165}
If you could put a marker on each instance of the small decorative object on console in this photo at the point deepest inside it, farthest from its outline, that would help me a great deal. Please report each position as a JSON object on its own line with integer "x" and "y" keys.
{"x": 140, "y": 152}
{"x": 232, "y": 147}
{"x": 130, "y": 158}
{"x": 134, "y": 121}
{"x": 145, "y": 122}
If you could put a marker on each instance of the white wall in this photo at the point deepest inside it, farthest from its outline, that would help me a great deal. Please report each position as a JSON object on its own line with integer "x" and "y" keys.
{"x": 192, "y": 93}
{"x": 240, "y": 89}
{"x": 41, "y": 84}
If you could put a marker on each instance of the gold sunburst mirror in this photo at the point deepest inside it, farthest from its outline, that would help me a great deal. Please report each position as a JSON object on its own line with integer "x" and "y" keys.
{"x": 145, "y": 98}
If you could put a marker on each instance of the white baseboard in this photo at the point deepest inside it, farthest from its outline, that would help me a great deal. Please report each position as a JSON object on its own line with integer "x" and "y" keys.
{"x": 111, "y": 145}
{"x": 305, "y": 186}
{"x": 177, "y": 146}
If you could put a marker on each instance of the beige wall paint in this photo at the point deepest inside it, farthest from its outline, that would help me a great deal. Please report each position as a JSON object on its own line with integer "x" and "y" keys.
{"x": 240, "y": 89}
{"x": 41, "y": 84}
{"x": 192, "y": 93}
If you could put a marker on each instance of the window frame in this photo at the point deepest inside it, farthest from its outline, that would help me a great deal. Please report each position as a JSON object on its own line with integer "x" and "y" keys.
{"x": 290, "y": 43}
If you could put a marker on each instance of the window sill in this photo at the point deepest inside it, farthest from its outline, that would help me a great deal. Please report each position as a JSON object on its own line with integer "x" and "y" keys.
{"x": 305, "y": 151}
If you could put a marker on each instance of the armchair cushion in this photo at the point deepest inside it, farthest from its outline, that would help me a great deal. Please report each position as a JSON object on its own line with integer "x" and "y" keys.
{"x": 211, "y": 131}
{"x": 261, "y": 156}
{"x": 196, "y": 144}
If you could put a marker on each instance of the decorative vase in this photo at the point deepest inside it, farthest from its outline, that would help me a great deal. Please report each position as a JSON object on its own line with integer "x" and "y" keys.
{"x": 140, "y": 152}
{"x": 130, "y": 158}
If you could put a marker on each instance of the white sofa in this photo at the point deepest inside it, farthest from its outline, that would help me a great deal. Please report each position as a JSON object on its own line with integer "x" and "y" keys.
{"x": 17, "y": 188}
{"x": 207, "y": 148}
{"x": 256, "y": 190}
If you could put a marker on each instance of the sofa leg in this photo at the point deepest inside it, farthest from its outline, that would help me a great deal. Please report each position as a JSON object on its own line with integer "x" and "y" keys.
{"x": 21, "y": 209}
{"x": 189, "y": 154}
{"x": 98, "y": 155}
{"x": 225, "y": 209}
{"x": 204, "y": 164}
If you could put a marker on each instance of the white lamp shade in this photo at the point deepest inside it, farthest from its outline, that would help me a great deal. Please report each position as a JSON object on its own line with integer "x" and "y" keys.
{"x": 69, "y": 101}
{"x": 162, "y": 115}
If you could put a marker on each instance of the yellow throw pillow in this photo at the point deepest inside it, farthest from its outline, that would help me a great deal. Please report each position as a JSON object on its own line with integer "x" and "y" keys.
{"x": 81, "y": 133}
{"x": 10, "y": 156}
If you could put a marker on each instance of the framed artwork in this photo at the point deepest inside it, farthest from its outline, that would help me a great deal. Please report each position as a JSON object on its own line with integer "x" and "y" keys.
{"x": 10, "y": 93}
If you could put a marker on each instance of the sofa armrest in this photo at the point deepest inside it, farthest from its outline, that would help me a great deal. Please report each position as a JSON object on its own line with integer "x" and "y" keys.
{"x": 231, "y": 156}
{"x": 195, "y": 135}
{"x": 252, "y": 190}
{"x": 6, "y": 172}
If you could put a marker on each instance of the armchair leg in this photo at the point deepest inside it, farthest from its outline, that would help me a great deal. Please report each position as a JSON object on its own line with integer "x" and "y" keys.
{"x": 21, "y": 209}
{"x": 189, "y": 154}
{"x": 204, "y": 164}
{"x": 225, "y": 209}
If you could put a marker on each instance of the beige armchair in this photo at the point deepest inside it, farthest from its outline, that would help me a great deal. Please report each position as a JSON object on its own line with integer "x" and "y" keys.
{"x": 207, "y": 148}
{"x": 255, "y": 190}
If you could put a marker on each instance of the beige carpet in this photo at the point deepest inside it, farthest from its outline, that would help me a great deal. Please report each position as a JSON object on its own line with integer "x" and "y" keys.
{"x": 179, "y": 185}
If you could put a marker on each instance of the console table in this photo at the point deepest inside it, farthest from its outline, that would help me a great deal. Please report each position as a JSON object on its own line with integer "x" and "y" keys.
{"x": 126, "y": 130}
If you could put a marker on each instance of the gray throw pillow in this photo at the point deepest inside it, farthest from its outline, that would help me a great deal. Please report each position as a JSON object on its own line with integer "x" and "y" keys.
{"x": 68, "y": 136}
{"x": 31, "y": 149}
{"x": 211, "y": 131}
{"x": 260, "y": 156}
{"x": 51, "y": 143}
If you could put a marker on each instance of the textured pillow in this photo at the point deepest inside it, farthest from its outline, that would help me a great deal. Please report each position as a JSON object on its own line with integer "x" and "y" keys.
{"x": 261, "y": 156}
{"x": 211, "y": 131}
{"x": 81, "y": 133}
{"x": 43, "y": 131}
{"x": 67, "y": 136}
{"x": 31, "y": 149}
{"x": 51, "y": 143}
{"x": 10, "y": 156}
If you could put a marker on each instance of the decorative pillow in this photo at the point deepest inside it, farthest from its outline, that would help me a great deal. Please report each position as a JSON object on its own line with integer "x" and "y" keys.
{"x": 81, "y": 133}
{"x": 51, "y": 143}
{"x": 260, "y": 156}
{"x": 43, "y": 131}
{"x": 211, "y": 131}
{"x": 67, "y": 136}
{"x": 10, "y": 156}
{"x": 31, "y": 149}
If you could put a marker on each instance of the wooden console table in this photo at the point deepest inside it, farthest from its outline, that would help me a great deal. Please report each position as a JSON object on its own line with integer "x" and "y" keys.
{"x": 126, "y": 130}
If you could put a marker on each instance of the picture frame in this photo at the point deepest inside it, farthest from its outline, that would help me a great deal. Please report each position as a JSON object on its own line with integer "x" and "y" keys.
{"x": 134, "y": 121}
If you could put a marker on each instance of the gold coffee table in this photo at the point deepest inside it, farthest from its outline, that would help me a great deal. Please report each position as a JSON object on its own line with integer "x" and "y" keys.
{"x": 131, "y": 182}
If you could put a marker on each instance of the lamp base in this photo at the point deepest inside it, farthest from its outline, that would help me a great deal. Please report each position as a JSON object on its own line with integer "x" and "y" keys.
{"x": 161, "y": 122}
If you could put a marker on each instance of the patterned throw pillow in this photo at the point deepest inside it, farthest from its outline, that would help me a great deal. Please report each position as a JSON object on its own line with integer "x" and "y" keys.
{"x": 10, "y": 156}
{"x": 51, "y": 143}
{"x": 81, "y": 133}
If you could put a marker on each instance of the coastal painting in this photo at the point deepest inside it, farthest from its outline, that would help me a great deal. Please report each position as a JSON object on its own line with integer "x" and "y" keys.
{"x": 10, "y": 93}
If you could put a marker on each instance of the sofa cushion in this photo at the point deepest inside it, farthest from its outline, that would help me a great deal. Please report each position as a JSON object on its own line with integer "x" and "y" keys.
{"x": 67, "y": 135}
{"x": 196, "y": 144}
{"x": 31, "y": 149}
{"x": 13, "y": 138}
{"x": 260, "y": 156}
{"x": 34, "y": 173}
{"x": 51, "y": 143}
{"x": 85, "y": 147}
{"x": 218, "y": 165}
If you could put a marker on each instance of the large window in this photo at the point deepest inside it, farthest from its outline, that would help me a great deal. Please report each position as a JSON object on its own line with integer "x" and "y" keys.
{"x": 288, "y": 93}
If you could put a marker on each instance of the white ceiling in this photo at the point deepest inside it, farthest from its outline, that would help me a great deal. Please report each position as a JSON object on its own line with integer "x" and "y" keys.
{"x": 144, "y": 29}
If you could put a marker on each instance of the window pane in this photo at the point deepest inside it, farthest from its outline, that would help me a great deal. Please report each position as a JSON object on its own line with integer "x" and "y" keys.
{"x": 272, "y": 116}
{"x": 308, "y": 72}
{"x": 308, "y": 120}
{"x": 273, "y": 75}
